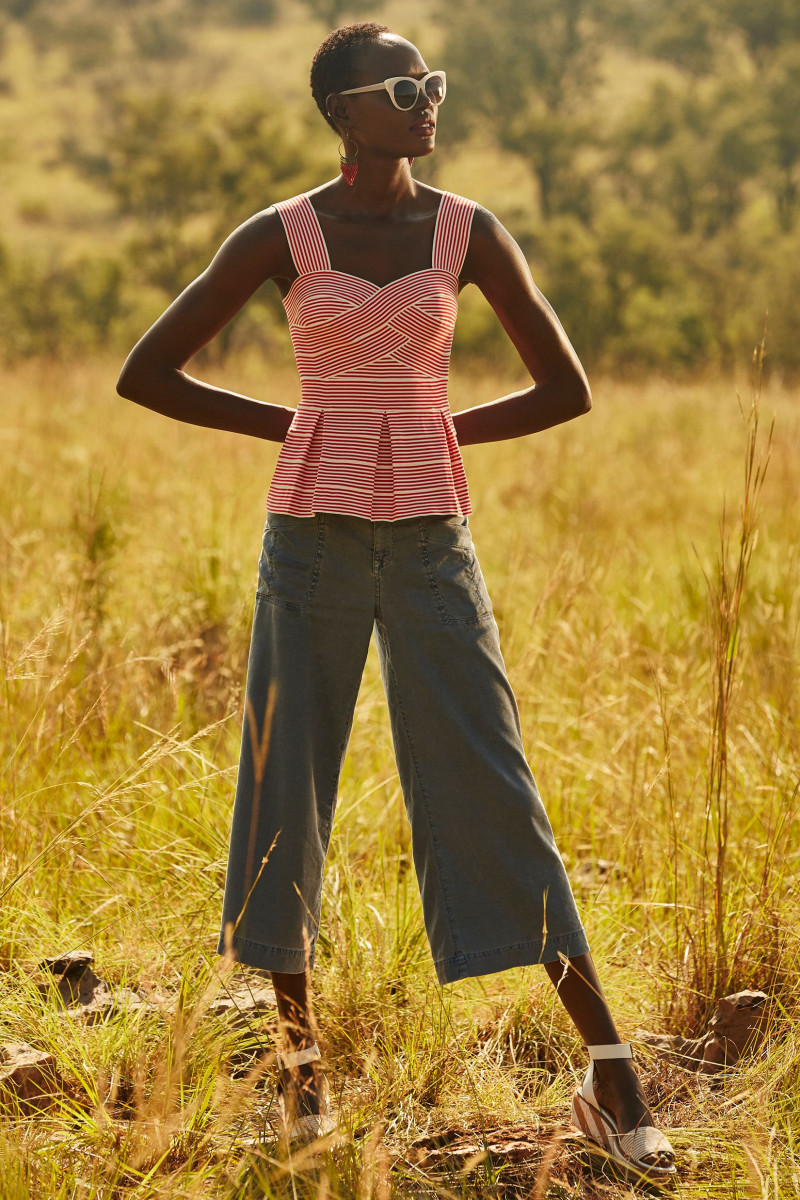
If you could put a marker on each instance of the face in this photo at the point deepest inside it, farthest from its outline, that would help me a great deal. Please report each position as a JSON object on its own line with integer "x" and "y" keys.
{"x": 370, "y": 118}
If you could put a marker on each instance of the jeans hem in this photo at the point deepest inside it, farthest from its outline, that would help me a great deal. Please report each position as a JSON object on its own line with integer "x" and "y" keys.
{"x": 268, "y": 958}
{"x": 523, "y": 954}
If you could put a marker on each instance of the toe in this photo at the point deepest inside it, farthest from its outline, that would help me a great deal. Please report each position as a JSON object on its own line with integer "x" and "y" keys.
{"x": 662, "y": 1159}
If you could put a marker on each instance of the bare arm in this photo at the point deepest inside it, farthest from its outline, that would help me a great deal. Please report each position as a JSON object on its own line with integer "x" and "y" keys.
{"x": 560, "y": 392}
{"x": 153, "y": 374}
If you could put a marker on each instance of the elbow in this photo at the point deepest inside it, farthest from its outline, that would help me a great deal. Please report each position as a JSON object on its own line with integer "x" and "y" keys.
{"x": 124, "y": 385}
{"x": 579, "y": 398}
{"x": 129, "y": 382}
{"x": 585, "y": 400}
{"x": 138, "y": 378}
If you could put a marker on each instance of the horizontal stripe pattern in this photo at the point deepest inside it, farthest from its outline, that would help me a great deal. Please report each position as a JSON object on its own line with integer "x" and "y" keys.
{"x": 373, "y": 435}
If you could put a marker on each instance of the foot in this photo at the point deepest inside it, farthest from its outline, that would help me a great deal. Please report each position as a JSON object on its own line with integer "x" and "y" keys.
{"x": 302, "y": 1090}
{"x": 618, "y": 1088}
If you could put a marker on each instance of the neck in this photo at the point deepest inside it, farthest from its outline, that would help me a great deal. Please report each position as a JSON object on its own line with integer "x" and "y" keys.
{"x": 383, "y": 187}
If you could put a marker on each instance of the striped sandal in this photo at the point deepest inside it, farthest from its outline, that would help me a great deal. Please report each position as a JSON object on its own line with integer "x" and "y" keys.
{"x": 300, "y": 1124}
{"x": 629, "y": 1149}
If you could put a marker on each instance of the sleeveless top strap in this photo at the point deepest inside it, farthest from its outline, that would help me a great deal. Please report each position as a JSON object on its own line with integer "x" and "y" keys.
{"x": 303, "y": 233}
{"x": 451, "y": 235}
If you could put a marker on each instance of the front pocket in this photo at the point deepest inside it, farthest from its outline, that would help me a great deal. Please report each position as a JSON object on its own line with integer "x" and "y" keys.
{"x": 448, "y": 530}
{"x": 289, "y": 566}
{"x": 279, "y": 520}
{"x": 456, "y": 578}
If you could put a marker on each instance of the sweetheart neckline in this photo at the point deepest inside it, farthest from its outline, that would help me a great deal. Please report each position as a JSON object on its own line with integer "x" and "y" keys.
{"x": 379, "y": 287}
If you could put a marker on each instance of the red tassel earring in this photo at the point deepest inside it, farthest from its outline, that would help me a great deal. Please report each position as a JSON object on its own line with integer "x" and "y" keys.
{"x": 349, "y": 166}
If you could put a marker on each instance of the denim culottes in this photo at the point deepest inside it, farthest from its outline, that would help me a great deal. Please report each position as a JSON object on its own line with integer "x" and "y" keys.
{"x": 495, "y": 893}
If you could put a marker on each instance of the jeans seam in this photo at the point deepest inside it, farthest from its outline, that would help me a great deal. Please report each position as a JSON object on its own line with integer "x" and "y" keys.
{"x": 548, "y": 939}
{"x": 243, "y": 941}
{"x": 483, "y": 613}
{"x": 460, "y": 964}
{"x": 343, "y": 743}
{"x": 457, "y": 953}
{"x": 264, "y": 949}
{"x": 316, "y": 569}
{"x": 290, "y": 605}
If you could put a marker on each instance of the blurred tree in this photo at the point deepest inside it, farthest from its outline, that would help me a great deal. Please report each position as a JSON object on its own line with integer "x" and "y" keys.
{"x": 526, "y": 74}
{"x": 237, "y": 12}
{"x": 687, "y": 33}
{"x": 49, "y": 305}
{"x": 572, "y": 275}
{"x": 253, "y": 12}
{"x": 183, "y": 175}
{"x": 187, "y": 174}
{"x": 691, "y": 152}
{"x": 696, "y": 35}
{"x": 765, "y": 25}
{"x": 781, "y": 97}
{"x": 330, "y": 12}
{"x": 763, "y": 105}
{"x": 18, "y": 10}
{"x": 157, "y": 34}
{"x": 91, "y": 30}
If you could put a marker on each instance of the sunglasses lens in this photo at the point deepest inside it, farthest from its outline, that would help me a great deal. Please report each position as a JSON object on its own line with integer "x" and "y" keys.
{"x": 435, "y": 89}
{"x": 405, "y": 93}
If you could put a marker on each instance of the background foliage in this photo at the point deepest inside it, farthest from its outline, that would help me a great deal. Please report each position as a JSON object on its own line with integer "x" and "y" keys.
{"x": 646, "y": 156}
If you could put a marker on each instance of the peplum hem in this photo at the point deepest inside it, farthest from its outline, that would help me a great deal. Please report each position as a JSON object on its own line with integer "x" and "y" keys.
{"x": 398, "y": 461}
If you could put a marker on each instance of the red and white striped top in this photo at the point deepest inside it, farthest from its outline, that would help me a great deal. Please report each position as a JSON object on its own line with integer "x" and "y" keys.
{"x": 373, "y": 435}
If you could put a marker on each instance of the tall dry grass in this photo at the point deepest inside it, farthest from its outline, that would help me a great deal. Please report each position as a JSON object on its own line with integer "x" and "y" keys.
{"x": 654, "y": 655}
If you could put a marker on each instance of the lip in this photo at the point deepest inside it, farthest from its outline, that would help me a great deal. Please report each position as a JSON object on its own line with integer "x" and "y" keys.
{"x": 427, "y": 128}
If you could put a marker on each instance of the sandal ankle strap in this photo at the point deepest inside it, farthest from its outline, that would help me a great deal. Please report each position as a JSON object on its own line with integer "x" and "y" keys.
{"x": 298, "y": 1057}
{"x": 611, "y": 1050}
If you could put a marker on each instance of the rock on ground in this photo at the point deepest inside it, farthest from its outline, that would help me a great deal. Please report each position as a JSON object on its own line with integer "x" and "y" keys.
{"x": 85, "y": 995}
{"x": 739, "y": 1022}
{"x": 29, "y": 1078}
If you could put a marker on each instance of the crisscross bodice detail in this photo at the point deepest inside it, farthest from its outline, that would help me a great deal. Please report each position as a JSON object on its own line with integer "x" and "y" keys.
{"x": 373, "y": 435}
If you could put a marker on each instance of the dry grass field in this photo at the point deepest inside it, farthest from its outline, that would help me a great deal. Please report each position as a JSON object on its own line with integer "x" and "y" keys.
{"x": 658, "y": 692}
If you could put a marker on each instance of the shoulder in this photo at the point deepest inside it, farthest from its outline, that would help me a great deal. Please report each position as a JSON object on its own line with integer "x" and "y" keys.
{"x": 253, "y": 252}
{"x": 486, "y": 232}
{"x": 489, "y": 245}
{"x": 486, "y": 228}
{"x": 259, "y": 229}
{"x": 267, "y": 223}
{"x": 491, "y": 248}
{"x": 260, "y": 237}
{"x": 453, "y": 198}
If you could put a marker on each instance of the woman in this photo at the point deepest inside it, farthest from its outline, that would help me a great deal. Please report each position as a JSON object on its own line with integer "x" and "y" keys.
{"x": 367, "y": 530}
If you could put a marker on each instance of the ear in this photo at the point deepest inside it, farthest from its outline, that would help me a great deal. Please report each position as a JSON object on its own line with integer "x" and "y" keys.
{"x": 338, "y": 108}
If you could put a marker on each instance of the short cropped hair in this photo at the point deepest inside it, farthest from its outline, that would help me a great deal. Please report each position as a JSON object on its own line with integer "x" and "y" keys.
{"x": 333, "y": 64}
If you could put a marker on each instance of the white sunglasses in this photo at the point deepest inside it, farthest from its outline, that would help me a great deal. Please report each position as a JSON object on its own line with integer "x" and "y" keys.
{"x": 404, "y": 90}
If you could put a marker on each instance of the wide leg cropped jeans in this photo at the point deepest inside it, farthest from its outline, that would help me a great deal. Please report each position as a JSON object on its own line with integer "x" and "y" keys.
{"x": 495, "y": 893}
